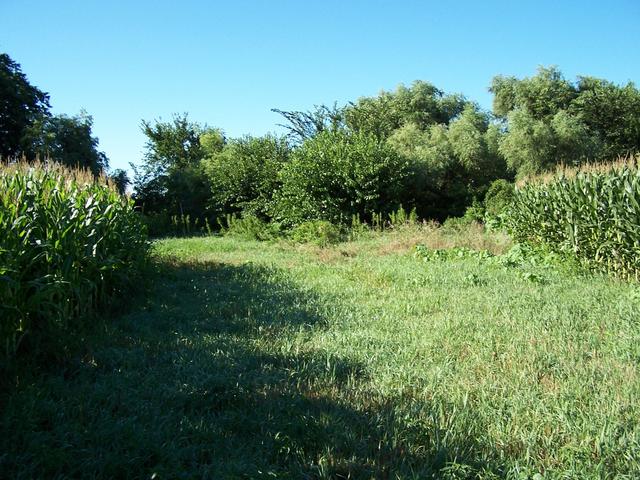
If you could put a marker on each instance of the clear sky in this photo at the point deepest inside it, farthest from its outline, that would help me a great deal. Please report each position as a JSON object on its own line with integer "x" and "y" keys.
{"x": 228, "y": 63}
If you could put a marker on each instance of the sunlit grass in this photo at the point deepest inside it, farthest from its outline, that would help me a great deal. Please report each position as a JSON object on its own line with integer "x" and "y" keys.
{"x": 253, "y": 360}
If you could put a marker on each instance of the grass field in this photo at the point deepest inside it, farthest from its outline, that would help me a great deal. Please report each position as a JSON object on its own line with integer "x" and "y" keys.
{"x": 274, "y": 360}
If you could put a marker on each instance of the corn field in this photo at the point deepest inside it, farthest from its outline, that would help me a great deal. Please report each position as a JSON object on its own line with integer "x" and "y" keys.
{"x": 69, "y": 243}
{"x": 592, "y": 212}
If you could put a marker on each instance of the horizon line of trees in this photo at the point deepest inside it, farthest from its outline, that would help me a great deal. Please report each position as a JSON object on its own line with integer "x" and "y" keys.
{"x": 415, "y": 147}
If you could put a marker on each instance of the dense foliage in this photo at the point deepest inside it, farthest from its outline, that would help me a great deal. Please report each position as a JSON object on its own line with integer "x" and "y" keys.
{"x": 337, "y": 175}
{"x": 421, "y": 104}
{"x": 416, "y": 146}
{"x": 21, "y": 105}
{"x": 549, "y": 120}
{"x": 68, "y": 244}
{"x": 245, "y": 174}
{"x": 68, "y": 141}
{"x": 591, "y": 212}
{"x": 449, "y": 164}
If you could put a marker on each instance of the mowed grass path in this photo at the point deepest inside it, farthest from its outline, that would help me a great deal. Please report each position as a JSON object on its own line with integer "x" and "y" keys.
{"x": 258, "y": 360}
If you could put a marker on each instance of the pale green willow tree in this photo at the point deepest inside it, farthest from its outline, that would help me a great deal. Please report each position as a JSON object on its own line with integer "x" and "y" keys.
{"x": 531, "y": 146}
{"x": 421, "y": 104}
{"x": 548, "y": 120}
{"x": 450, "y": 164}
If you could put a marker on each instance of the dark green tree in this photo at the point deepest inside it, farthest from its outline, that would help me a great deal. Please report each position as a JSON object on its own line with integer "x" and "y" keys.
{"x": 21, "y": 105}
{"x": 171, "y": 178}
{"x": 69, "y": 141}
{"x": 120, "y": 179}
{"x": 611, "y": 112}
{"x": 245, "y": 175}
{"x": 335, "y": 175}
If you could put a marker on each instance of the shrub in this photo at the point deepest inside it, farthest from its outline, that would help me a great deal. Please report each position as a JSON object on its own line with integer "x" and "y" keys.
{"x": 249, "y": 227}
{"x": 68, "y": 245}
{"x": 245, "y": 174}
{"x": 336, "y": 175}
{"x": 498, "y": 197}
{"x": 320, "y": 232}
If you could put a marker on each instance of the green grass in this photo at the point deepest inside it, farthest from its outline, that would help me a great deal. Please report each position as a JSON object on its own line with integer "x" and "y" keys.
{"x": 273, "y": 360}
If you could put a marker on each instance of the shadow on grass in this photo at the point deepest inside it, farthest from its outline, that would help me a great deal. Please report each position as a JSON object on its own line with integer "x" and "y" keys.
{"x": 204, "y": 381}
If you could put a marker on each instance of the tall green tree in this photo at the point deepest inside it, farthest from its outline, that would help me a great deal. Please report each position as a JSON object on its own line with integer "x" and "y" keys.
{"x": 421, "y": 104}
{"x": 542, "y": 95}
{"x": 171, "y": 177}
{"x": 69, "y": 141}
{"x": 611, "y": 112}
{"x": 449, "y": 164}
{"x": 21, "y": 106}
{"x": 549, "y": 120}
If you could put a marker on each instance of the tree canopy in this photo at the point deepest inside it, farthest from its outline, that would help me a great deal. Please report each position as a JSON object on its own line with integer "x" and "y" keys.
{"x": 29, "y": 130}
{"x": 549, "y": 120}
{"x": 68, "y": 140}
{"x": 421, "y": 104}
{"x": 171, "y": 178}
{"x": 21, "y": 106}
{"x": 415, "y": 146}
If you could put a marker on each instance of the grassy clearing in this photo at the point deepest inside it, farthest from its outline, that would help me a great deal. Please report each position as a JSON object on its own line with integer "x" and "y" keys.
{"x": 263, "y": 360}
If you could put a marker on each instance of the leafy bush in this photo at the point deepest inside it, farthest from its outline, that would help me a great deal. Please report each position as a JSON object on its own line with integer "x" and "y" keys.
{"x": 245, "y": 174}
{"x": 320, "y": 232}
{"x": 592, "y": 213}
{"x": 457, "y": 253}
{"x": 68, "y": 245}
{"x": 249, "y": 227}
{"x": 336, "y": 175}
{"x": 498, "y": 197}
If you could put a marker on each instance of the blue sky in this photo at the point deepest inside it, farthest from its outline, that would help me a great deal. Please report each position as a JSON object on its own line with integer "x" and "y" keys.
{"x": 228, "y": 63}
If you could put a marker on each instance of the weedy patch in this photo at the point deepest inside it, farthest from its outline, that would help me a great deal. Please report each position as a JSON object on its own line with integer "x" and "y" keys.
{"x": 533, "y": 264}
{"x": 444, "y": 254}
{"x": 475, "y": 280}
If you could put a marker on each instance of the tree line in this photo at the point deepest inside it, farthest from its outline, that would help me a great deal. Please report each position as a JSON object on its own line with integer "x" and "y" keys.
{"x": 416, "y": 146}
